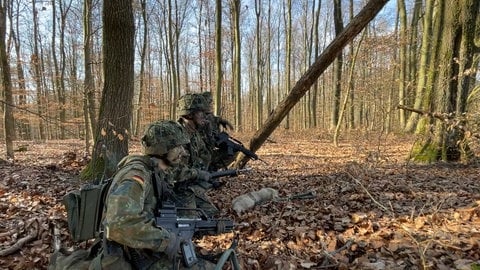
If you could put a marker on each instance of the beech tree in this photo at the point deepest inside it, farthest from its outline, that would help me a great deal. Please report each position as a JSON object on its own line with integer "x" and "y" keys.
{"x": 453, "y": 71}
{"x": 6, "y": 83}
{"x": 113, "y": 126}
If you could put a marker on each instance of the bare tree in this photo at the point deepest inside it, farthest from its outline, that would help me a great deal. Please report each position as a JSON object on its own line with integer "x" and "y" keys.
{"x": 338, "y": 65}
{"x": 114, "y": 119}
{"x": 235, "y": 6}
{"x": 142, "y": 75}
{"x": 218, "y": 56}
{"x": 89, "y": 79}
{"x": 9, "y": 131}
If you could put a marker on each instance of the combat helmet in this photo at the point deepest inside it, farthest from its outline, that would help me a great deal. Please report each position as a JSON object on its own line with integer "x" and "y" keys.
{"x": 162, "y": 136}
{"x": 209, "y": 100}
{"x": 190, "y": 103}
{"x": 208, "y": 97}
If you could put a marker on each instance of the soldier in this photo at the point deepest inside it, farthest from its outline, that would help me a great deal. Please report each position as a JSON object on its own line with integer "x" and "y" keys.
{"x": 130, "y": 230}
{"x": 216, "y": 124}
{"x": 191, "y": 109}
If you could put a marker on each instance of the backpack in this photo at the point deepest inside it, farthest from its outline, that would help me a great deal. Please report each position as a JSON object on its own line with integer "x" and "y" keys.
{"x": 84, "y": 210}
{"x": 85, "y": 206}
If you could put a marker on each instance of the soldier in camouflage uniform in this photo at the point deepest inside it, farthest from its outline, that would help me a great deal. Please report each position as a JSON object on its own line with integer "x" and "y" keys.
{"x": 216, "y": 124}
{"x": 130, "y": 230}
{"x": 191, "y": 109}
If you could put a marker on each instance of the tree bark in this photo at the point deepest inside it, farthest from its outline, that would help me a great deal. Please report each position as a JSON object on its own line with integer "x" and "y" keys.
{"x": 218, "y": 57}
{"x": 9, "y": 127}
{"x": 89, "y": 81}
{"x": 424, "y": 60}
{"x": 338, "y": 66}
{"x": 237, "y": 63}
{"x": 402, "y": 78}
{"x": 452, "y": 86}
{"x": 116, "y": 106}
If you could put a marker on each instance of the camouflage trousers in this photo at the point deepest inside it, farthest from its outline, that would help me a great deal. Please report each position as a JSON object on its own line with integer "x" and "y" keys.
{"x": 203, "y": 202}
{"x": 195, "y": 197}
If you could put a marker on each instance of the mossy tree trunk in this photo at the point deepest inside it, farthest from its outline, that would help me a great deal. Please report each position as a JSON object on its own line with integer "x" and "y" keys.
{"x": 455, "y": 31}
{"x": 7, "y": 95}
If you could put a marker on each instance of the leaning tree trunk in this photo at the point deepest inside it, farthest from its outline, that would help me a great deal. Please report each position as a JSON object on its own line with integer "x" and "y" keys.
{"x": 312, "y": 74}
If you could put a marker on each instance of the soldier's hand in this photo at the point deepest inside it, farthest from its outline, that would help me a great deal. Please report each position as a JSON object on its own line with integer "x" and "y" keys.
{"x": 203, "y": 175}
{"x": 173, "y": 247}
{"x": 216, "y": 184}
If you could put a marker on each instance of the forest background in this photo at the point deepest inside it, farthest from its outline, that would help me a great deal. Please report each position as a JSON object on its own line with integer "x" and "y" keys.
{"x": 249, "y": 54}
{"x": 100, "y": 71}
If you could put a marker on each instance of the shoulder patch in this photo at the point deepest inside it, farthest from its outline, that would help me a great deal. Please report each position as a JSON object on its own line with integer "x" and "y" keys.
{"x": 139, "y": 179}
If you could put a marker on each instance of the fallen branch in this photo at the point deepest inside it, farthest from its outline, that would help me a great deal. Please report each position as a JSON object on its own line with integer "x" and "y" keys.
{"x": 329, "y": 255}
{"x": 368, "y": 193}
{"x": 18, "y": 245}
{"x": 440, "y": 116}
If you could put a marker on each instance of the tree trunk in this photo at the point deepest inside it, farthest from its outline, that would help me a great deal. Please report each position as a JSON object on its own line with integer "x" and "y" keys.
{"x": 88, "y": 83}
{"x": 288, "y": 53}
{"x": 143, "y": 56}
{"x": 218, "y": 56}
{"x": 35, "y": 60}
{"x": 312, "y": 74}
{"x": 237, "y": 63}
{"x": 116, "y": 106}
{"x": 422, "y": 71}
{"x": 258, "y": 101}
{"x": 9, "y": 127}
{"x": 338, "y": 65}
{"x": 456, "y": 49}
{"x": 347, "y": 95}
{"x": 402, "y": 78}
{"x": 25, "y": 129}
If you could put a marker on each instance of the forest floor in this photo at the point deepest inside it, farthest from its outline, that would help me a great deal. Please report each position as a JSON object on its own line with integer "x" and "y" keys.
{"x": 370, "y": 209}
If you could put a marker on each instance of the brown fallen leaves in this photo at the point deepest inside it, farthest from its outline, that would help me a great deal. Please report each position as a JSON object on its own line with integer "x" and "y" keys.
{"x": 370, "y": 210}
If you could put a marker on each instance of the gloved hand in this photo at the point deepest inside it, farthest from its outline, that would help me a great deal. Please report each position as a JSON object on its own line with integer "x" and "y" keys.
{"x": 216, "y": 184}
{"x": 203, "y": 175}
{"x": 173, "y": 247}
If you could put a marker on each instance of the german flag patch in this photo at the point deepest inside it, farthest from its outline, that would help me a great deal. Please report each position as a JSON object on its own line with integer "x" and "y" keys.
{"x": 138, "y": 178}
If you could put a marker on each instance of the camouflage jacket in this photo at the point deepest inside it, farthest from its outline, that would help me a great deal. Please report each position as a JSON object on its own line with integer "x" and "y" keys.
{"x": 198, "y": 149}
{"x": 130, "y": 207}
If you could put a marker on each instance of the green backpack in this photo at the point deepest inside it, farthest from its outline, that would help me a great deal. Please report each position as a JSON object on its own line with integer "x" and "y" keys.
{"x": 84, "y": 210}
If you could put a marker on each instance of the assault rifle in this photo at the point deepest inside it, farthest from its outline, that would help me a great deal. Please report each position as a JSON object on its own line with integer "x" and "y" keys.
{"x": 185, "y": 228}
{"x": 214, "y": 183}
{"x": 232, "y": 145}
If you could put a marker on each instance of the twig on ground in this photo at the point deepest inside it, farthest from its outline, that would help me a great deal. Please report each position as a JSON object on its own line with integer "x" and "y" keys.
{"x": 19, "y": 244}
{"x": 329, "y": 255}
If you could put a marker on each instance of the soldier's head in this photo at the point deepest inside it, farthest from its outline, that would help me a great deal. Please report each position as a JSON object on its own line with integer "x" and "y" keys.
{"x": 192, "y": 107}
{"x": 208, "y": 99}
{"x": 165, "y": 140}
